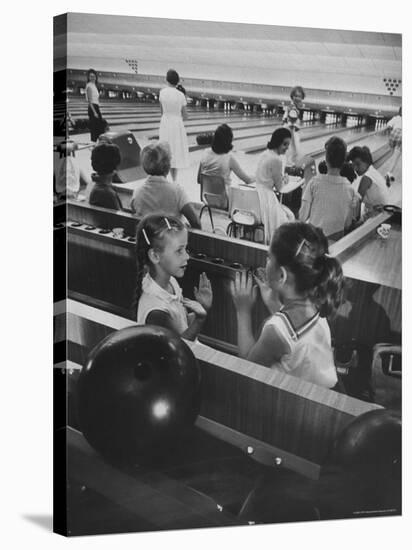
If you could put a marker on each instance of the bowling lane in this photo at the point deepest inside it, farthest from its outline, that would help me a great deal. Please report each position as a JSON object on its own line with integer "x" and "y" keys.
{"x": 351, "y": 135}
{"x": 79, "y": 107}
{"x": 247, "y": 131}
{"x": 132, "y": 115}
{"x": 314, "y": 130}
{"x": 247, "y": 128}
{"x": 206, "y": 122}
{"x": 395, "y": 191}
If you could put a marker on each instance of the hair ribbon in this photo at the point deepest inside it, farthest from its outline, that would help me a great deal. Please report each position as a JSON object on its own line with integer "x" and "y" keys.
{"x": 146, "y": 238}
{"x": 302, "y": 244}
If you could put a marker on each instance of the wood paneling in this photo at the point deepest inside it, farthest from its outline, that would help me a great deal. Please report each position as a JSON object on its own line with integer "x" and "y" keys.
{"x": 103, "y": 268}
{"x": 299, "y": 421}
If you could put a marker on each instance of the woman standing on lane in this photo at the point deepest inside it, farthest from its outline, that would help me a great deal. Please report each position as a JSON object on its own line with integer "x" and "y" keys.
{"x": 93, "y": 110}
{"x": 172, "y": 130}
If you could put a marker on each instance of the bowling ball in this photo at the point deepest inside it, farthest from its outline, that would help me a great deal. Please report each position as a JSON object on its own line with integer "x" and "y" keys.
{"x": 371, "y": 444}
{"x": 67, "y": 147}
{"x": 293, "y": 115}
{"x": 138, "y": 394}
{"x": 205, "y": 138}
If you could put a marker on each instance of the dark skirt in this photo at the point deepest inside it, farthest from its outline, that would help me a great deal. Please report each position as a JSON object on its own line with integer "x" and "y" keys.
{"x": 95, "y": 123}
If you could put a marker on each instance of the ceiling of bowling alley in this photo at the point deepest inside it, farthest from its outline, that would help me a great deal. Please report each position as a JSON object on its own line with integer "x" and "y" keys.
{"x": 316, "y": 58}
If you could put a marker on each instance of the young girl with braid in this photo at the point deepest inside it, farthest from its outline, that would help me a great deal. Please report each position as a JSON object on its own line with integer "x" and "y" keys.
{"x": 161, "y": 252}
{"x": 303, "y": 285}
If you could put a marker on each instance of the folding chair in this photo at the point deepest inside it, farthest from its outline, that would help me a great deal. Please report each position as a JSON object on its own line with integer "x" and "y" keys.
{"x": 213, "y": 195}
{"x": 244, "y": 213}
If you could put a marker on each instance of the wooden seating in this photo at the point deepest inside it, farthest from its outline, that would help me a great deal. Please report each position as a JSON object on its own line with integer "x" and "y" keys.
{"x": 103, "y": 267}
{"x": 266, "y": 413}
{"x": 255, "y": 424}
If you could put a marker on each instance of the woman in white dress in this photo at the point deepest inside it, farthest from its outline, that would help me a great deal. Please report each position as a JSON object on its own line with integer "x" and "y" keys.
{"x": 270, "y": 177}
{"x": 172, "y": 130}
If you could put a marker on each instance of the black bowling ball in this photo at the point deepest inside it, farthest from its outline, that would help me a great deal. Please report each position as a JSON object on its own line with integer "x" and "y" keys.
{"x": 139, "y": 394}
{"x": 371, "y": 444}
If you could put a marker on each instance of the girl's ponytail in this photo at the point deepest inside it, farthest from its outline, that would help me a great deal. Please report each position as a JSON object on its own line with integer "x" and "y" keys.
{"x": 328, "y": 291}
{"x": 141, "y": 271}
{"x": 303, "y": 249}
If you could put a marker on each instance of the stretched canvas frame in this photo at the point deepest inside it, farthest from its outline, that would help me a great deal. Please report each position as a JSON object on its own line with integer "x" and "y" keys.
{"x": 272, "y": 421}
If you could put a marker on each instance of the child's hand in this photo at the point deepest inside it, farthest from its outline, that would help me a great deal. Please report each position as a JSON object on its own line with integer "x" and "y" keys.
{"x": 243, "y": 291}
{"x": 269, "y": 298}
{"x": 194, "y": 308}
{"x": 204, "y": 293}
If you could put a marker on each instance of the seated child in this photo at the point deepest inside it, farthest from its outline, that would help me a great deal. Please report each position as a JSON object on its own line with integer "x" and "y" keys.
{"x": 159, "y": 194}
{"x": 371, "y": 185}
{"x": 329, "y": 200}
{"x": 105, "y": 159}
{"x": 303, "y": 286}
{"x": 161, "y": 253}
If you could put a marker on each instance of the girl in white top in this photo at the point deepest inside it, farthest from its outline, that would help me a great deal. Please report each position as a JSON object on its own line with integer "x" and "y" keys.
{"x": 371, "y": 185}
{"x": 270, "y": 177}
{"x": 93, "y": 110}
{"x": 303, "y": 285}
{"x": 161, "y": 243}
{"x": 172, "y": 130}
